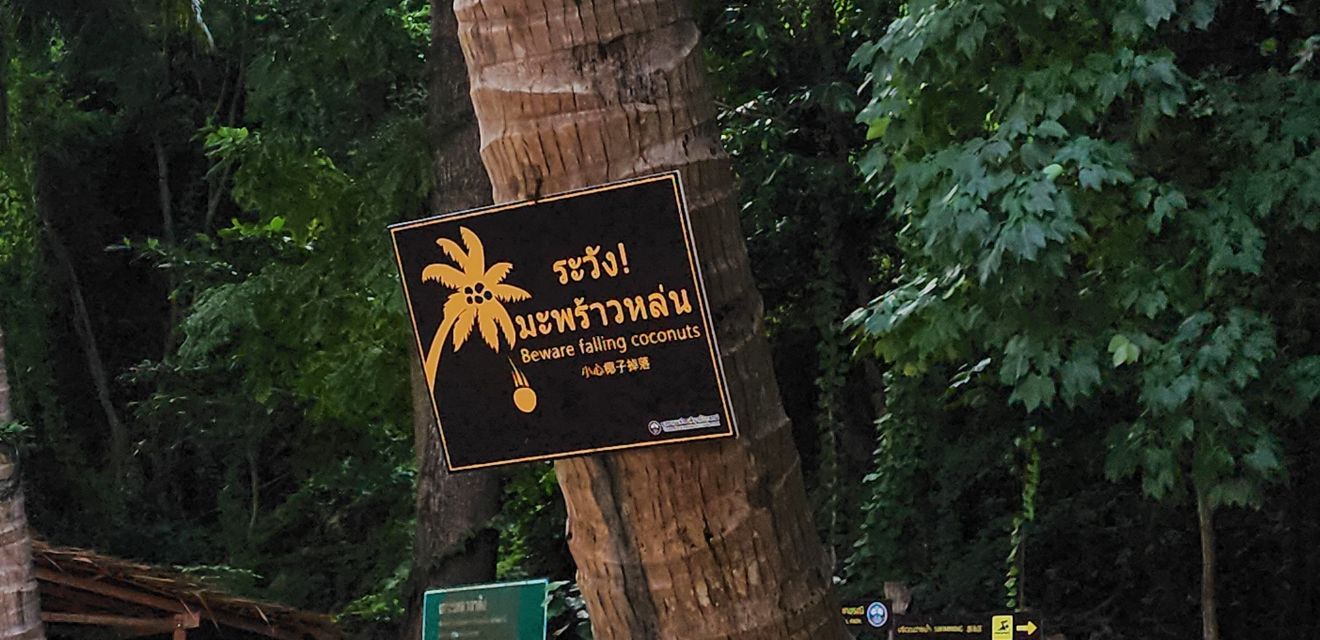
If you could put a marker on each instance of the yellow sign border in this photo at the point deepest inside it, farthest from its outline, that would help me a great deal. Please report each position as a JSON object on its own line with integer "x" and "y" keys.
{"x": 712, "y": 342}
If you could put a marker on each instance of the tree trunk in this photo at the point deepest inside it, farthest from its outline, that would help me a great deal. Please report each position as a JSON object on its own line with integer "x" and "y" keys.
{"x": 693, "y": 541}
{"x": 454, "y": 543}
{"x": 1209, "y": 611}
{"x": 4, "y": 87}
{"x": 166, "y": 198}
{"x": 82, "y": 327}
{"x": 20, "y": 609}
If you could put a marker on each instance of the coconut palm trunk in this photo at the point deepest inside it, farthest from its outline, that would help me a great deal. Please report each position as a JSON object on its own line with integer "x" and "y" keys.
{"x": 20, "y": 609}
{"x": 694, "y": 541}
{"x": 454, "y": 542}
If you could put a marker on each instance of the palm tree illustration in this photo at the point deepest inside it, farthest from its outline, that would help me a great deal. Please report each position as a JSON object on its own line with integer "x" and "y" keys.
{"x": 477, "y": 300}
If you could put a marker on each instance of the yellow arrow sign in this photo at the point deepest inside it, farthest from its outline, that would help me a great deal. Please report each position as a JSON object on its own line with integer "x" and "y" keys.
{"x": 1029, "y": 627}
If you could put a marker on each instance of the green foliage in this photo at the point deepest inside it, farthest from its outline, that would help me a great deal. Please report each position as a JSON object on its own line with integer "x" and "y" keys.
{"x": 567, "y": 612}
{"x": 1061, "y": 206}
{"x": 943, "y": 497}
{"x": 532, "y": 522}
{"x": 786, "y": 107}
{"x": 1030, "y": 447}
{"x": 15, "y": 434}
{"x": 1104, "y": 222}
{"x": 273, "y": 433}
{"x": 383, "y": 605}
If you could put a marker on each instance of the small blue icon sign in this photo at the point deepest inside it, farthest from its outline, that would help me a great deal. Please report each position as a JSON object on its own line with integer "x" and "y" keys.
{"x": 877, "y": 614}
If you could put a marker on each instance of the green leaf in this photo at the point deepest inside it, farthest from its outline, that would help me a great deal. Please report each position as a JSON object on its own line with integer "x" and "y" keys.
{"x": 970, "y": 38}
{"x": 873, "y": 162}
{"x": 877, "y": 129}
{"x": 1090, "y": 177}
{"x": 1235, "y": 493}
{"x": 1263, "y": 460}
{"x": 1303, "y": 385}
{"x": 1160, "y": 470}
{"x": 865, "y": 53}
{"x": 1034, "y": 391}
{"x": 1123, "y": 350}
{"x": 1202, "y": 12}
{"x": 1079, "y": 375}
{"x": 1151, "y": 303}
{"x": 1051, "y": 129}
{"x": 1132, "y": 353}
{"x": 1017, "y": 360}
{"x": 1184, "y": 429}
{"x": 1157, "y": 11}
{"x": 1166, "y": 203}
{"x": 1128, "y": 24}
{"x": 908, "y": 48}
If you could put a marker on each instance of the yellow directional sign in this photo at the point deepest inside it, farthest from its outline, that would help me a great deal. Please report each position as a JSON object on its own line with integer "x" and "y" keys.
{"x": 1029, "y": 628}
{"x": 1001, "y": 628}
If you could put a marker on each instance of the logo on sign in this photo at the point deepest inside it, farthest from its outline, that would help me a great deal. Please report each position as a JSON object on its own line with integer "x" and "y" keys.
{"x": 877, "y": 614}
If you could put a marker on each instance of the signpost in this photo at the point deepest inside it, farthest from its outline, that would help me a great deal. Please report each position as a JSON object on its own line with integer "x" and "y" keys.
{"x": 573, "y": 324}
{"x": 873, "y": 619}
{"x": 508, "y": 611}
{"x": 993, "y": 626}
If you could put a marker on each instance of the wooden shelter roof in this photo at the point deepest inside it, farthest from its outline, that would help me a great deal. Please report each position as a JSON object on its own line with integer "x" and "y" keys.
{"x": 84, "y": 587}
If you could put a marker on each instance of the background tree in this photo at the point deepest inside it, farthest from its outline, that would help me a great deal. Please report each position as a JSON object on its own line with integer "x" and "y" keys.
{"x": 786, "y": 100}
{"x": 619, "y": 89}
{"x": 456, "y": 540}
{"x": 289, "y": 145}
{"x": 20, "y": 606}
{"x": 1099, "y": 202}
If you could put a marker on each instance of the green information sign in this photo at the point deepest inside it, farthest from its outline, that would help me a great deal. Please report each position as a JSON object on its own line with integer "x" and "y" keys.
{"x": 507, "y": 611}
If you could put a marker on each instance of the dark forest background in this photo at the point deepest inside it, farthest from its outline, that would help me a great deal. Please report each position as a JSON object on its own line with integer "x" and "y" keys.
{"x": 1040, "y": 276}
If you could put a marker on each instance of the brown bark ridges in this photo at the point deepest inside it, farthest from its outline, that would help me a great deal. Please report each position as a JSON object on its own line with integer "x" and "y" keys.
{"x": 710, "y": 540}
{"x": 20, "y": 606}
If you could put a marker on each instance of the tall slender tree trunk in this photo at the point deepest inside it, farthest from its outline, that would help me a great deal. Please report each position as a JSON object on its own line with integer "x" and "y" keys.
{"x": 454, "y": 543}
{"x": 694, "y": 541}
{"x": 82, "y": 327}
{"x": 1209, "y": 607}
{"x": 4, "y": 84}
{"x": 20, "y": 609}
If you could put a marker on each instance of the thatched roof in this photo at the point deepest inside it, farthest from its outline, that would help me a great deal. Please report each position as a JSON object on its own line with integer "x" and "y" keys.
{"x": 84, "y": 587}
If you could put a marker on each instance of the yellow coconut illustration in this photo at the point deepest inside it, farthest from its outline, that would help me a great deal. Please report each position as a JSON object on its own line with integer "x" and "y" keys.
{"x": 524, "y": 397}
{"x": 477, "y": 302}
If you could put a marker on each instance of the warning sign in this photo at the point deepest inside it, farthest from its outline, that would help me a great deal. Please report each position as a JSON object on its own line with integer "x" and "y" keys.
{"x": 569, "y": 325}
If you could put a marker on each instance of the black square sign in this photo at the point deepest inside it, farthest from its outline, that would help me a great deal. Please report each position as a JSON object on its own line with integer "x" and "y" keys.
{"x": 563, "y": 326}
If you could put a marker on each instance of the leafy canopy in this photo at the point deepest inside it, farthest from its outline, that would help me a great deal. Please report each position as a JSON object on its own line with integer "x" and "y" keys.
{"x": 1095, "y": 216}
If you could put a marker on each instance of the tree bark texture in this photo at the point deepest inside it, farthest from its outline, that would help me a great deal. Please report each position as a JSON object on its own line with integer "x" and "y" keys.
{"x": 20, "y": 607}
{"x": 454, "y": 543}
{"x": 1209, "y": 607}
{"x": 696, "y": 541}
